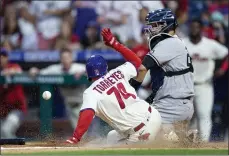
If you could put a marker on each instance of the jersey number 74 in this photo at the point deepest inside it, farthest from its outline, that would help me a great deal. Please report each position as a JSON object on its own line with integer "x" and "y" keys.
{"x": 120, "y": 92}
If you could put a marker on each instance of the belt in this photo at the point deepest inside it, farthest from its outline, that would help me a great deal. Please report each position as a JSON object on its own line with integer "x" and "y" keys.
{"x": 137, "y": 128}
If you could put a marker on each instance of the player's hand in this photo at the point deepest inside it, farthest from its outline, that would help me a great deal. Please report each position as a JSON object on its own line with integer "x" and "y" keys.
{"x": 72, "y": 140}
{"x": 108, "y": 37}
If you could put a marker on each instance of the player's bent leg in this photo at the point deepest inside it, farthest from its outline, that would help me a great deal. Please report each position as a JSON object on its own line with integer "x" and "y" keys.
{"x": 173, "y": 111}
{"x": 147, "y": 133}
{"x": 150, "y": 130}
{"x": 154, "y": 124}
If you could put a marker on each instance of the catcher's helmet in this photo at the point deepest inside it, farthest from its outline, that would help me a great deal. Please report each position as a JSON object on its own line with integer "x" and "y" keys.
{"x": 96, "y": 66}
{"x": 160, "y": 21}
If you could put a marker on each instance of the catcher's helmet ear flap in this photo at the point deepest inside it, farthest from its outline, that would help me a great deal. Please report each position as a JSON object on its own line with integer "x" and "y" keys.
{"x": 96, "y": 66}
{"x": 160, "y": 21}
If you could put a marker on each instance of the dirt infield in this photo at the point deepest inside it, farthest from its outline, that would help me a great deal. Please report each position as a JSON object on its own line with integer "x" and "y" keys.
{"x": 37, "y": 147}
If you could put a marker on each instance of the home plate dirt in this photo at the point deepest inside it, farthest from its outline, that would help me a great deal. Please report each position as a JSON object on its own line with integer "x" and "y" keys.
{"x": 43, "y": 147}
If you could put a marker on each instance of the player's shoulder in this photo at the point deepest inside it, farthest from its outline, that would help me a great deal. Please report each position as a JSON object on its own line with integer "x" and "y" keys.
{"x": 90, "y": 91}
{"x": 127, "y": 66}
{"x": 205, "y": 39}
{"x": 210, "y": 42}
{"x": 126, "y": 71}
{"x": 170, "y": 41}
{"x": 87, "y": 91}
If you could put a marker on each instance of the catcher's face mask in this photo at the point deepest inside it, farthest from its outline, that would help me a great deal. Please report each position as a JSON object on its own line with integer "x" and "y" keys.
{"x": 154, "y": 28}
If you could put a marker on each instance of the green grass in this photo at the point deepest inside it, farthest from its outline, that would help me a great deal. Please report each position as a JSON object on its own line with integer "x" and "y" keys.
{"x": 132, "y": 152}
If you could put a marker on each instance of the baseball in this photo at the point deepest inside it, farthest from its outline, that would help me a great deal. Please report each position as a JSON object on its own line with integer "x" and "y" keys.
{"x": 46, "y": 95}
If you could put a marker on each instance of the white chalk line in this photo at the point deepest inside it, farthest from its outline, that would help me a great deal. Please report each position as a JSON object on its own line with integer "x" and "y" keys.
{"x": 89, "y": 148}
{"x": 66, "y": 147}
{"x": 36, "y": 147}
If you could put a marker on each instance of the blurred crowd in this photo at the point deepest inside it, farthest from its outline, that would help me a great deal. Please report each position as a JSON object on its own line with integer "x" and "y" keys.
{"x": 47, "y": 25}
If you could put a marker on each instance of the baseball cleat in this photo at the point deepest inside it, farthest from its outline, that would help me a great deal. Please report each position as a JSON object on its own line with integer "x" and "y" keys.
{"x": 72, "y": 140}
{"x": 192, "y": 135}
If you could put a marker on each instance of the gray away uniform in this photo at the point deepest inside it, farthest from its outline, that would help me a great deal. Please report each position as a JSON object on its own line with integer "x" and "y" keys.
{"x": 172, "y": 78}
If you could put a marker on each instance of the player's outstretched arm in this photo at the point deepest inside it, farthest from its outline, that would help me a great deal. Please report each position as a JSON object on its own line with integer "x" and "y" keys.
{"x": 85, "y": 119}
{"x": 111, "y": 41}
{"x": 129, "y": 55}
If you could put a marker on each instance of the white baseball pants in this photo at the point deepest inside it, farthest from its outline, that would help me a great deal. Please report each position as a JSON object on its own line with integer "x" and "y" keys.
{"x": 203, "y": 103}
{"x": 152, "y": 126}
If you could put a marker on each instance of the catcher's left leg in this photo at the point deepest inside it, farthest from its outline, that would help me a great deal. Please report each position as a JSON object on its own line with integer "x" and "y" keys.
{"x": 173, "y": 111}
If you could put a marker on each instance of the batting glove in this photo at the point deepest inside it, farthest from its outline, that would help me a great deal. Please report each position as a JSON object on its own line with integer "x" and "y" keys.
{"x": 108, "y": 37}
{"x": 72, "y": 140}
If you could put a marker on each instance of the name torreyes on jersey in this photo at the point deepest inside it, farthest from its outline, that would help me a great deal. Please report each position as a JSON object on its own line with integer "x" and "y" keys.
{"x": 108, "y": 82}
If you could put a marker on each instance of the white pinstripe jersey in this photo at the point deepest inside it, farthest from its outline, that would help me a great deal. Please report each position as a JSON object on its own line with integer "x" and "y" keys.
{"x": 204, "y": 55}
{"x": 115, "y": 101}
